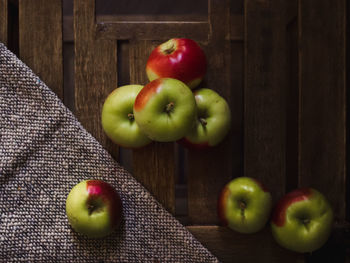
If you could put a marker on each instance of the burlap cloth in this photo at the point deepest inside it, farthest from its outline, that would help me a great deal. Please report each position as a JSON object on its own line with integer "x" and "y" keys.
{"x": 44, "y": 152}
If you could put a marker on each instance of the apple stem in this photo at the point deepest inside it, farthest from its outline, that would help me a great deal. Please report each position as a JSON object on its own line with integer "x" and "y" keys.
{"x": 243, "y": 206}
{"x": 169, "y": 107}
{"x": 131, "y": 116}
{"x": 203, "y": 121}
{"x": 91, "y": 208}
{"x": 306, "y": 221}
{"x": 168, "y": 47}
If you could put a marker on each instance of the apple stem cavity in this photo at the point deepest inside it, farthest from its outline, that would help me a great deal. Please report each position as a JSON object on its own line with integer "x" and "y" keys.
{"x": 203, "y": 121}
{"x": 306, "y": 221}
{"x": 91, "y": 208}
{"x": 169, "y": 107}
{"x": 131, "y": 116}
{"x": 168, "y": 47}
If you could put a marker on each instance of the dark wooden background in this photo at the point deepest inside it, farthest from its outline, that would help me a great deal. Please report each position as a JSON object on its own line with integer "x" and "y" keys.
{"x": 281, "y": 64}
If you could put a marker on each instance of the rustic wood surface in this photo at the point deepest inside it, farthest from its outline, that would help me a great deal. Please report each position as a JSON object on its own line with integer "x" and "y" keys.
{"x": 322, "y": 99}
{"x": 153, "y": 30}
{"x": 95, "y": 71}
{"x": 230, "y": 246}
{"x": 40, "y": 40}
{"x": 292, "y": 98}
{"x": 264, "y": 114}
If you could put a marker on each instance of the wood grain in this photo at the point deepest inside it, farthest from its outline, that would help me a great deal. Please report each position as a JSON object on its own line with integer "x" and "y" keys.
{"x": 153, "y": 165}
{"x": 292, "y": 98}
{"x": 230, "y": 246}
{"x": 323, "y": 99}
{"x": 153, "y": 30}
{"x": 95, "y": 71}
{"x": 264, "y": 93}
{"x": 3, "y": 21}
{"x": 40, "y": 40}
{"x": 208, "y": 171}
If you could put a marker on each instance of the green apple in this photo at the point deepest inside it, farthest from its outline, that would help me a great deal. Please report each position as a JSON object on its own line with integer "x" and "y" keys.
{"x": 244, "y": 205}
{"x": 118, "y": 120}
{"x": 165, "y": 109}
{"x": 94, "y": 208}
{"x": 302, "y": 220}
{"x": 213, "y": 120}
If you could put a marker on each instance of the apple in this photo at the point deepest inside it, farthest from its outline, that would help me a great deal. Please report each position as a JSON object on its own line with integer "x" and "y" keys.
{"x": 165, "y": 109}
{"x": 213, "y": 120}
{"x": 94, "y": 208}
{"x": 244, "y": 205}
{"x": 178, "y": 58}
{"x": 302, "y": 220}
{"x": 118, "y": 120}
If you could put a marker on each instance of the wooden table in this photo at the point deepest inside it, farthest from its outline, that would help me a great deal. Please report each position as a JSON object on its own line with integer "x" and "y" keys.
{"x": 280, "y": 64}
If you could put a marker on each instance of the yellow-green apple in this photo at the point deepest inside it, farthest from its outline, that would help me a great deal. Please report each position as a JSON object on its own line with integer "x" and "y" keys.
{"x": 94, "y": 208}
{"x": 118, "y": 120}
{"x": 165, "y": 109}
{"x": 178, "y": 58}
{"x": 244, "y": 205}
{"x": 302, "y": 220}
{"x": 213, "y": 120}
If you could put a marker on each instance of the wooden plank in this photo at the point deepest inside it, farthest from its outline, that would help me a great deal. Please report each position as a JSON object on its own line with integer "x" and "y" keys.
{"x": 264, "y": 114}
{"x": 153, "y": 165}
{"x": 292, "y": 98}
{"x": 13, "y": 26}
{"x": 323, "y": 99}
{"x": 236, "y": 104}
{"x": 152, "y": 30}
{"x": 236, "y": 28}
{"x": 230, "y": 246}
{"x": 208, "y": 171}
{"x": 40, "y": 40}
{"x": 3, "y": 21}
{"x": 95, "y": 72}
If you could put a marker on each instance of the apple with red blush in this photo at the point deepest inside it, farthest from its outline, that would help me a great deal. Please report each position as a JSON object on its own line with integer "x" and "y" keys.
{"x": 212, "y": 123}
{"x": 165, "y": 109}
{"x": 178, "y": 58}
{"x": 302, "y": 220}
{"x": 94, "y": 208}
{"x": 244, "y": 205}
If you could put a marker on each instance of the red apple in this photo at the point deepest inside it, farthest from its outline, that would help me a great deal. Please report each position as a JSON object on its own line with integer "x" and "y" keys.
{"x": 178, "y": 58}
{"x": 94, "y": 208}
{"x": 302, "y": 220}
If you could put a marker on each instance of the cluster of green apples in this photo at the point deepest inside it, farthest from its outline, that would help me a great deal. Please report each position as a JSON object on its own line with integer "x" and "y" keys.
{"x": 169, "y": 108}
{"x": 301, "y": 220}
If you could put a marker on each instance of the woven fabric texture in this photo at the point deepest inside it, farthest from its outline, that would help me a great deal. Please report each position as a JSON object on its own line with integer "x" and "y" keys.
{"x": 44, "y": 152}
